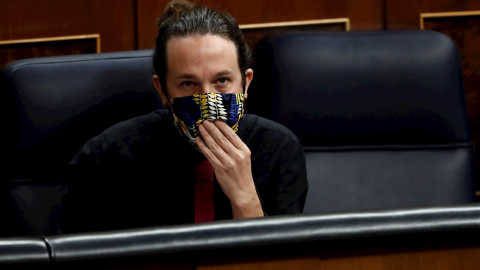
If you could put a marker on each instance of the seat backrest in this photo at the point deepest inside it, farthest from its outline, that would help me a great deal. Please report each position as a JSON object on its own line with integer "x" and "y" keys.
{"x": 51, "y": 106}
{"x": 381, "y": 116}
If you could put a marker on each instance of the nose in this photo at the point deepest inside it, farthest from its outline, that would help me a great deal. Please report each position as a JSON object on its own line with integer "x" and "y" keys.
{"x": 207, "y": 88}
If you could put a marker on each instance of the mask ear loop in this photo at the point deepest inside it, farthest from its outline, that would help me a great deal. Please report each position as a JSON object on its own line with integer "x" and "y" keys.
{"x": 244, "y": 89}
{"x": 169, "y": 99}
{"x": 244, "y": 82}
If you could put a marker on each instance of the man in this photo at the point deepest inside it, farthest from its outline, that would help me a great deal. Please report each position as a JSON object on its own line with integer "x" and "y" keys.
{"x": 143, "y": 172}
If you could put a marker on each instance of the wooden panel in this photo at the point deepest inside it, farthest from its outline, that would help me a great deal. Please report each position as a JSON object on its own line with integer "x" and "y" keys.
{"x": 462, "y": 27}
{"x": 147, "y": 14}
{"x": 457, "y": 258}
{"x": 255, "y": 32}
{"x": 114, "y": 20}
{"x": 400, "y": 14}
{"x": 11, "y": 50}
{"x": 151, "y": 267}
{"x": 265, "y": 264}
{"x": 363, "y": 15}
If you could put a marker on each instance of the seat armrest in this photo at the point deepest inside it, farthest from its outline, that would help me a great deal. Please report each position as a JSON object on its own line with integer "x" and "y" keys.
{"x": 272, "y": 236}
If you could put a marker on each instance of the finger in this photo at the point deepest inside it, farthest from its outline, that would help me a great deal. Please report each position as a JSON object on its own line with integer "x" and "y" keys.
{"x": 216, "y": 138}
{"x": 230, "y": 134}
{"x": 206, "y": 130}
{"x": 206, "y": 151}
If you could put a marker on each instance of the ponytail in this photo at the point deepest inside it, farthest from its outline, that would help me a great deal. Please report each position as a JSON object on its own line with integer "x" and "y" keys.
{"x": 172, "y": 8}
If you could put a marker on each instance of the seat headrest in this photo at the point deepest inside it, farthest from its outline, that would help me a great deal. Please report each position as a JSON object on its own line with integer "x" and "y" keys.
{"x": 359, "y": 88}
{"x": 55, "y": 104}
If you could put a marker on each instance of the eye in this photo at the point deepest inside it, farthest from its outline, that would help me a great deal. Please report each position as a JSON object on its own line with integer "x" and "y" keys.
{"x": 187, "y": 83}
{"x": 222, "y": 80}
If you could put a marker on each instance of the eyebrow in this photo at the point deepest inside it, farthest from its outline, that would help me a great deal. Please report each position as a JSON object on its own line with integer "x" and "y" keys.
{"x": 225, "y": 72}
{"x": 186, "y": 76}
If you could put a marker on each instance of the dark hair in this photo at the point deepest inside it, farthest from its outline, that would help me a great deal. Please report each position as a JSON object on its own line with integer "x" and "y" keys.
{"x": 182, "y": 18}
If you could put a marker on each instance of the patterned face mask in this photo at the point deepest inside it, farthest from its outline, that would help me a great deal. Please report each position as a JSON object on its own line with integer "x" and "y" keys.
{"x": 191, "y": 111}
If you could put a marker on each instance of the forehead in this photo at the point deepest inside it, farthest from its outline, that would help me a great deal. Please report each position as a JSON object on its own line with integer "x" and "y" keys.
{"x": 200, "y": 49}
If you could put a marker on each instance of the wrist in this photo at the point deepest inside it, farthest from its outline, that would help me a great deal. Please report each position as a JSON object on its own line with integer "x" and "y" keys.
{"x": 247, "y": 207}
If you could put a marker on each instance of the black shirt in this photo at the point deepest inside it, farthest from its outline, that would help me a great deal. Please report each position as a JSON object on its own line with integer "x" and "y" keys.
{"x": 139, "y": 173}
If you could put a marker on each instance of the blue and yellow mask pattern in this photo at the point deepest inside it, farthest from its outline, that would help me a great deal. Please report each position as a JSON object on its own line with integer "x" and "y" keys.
{"x": 190, "y": 111}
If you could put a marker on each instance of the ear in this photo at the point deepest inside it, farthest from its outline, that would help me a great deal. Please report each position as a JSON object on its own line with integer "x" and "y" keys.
{"x": 248, "y": 80}
{"x": 158, "y": 86}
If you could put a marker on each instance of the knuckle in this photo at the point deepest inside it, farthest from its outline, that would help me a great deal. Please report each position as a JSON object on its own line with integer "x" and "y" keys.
{"x": 230, "y": 164}
{"x": 231, "y": 136}
{"x": 214, "y": 147}
{"x": 222, "y": 139}
{"x": 239, "y": 157}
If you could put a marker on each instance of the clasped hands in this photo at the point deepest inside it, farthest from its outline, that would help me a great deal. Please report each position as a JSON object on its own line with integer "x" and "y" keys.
{"x": 230, "y": 159}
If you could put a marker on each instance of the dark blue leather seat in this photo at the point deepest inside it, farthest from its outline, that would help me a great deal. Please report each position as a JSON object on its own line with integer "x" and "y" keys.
{"x": 381, "y": 116}
{"x": 50, "y": 107}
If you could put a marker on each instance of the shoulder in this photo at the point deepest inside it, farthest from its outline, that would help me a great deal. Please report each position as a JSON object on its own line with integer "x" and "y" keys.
{"x": 262, "y": 132}
{"x": 255, "y": 125}
{"x": 124, "y": 136}
{"x": 137, "y": 126}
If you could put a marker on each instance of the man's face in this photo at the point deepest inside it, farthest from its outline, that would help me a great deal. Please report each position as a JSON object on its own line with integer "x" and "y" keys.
{"x": 202, "y": 64}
